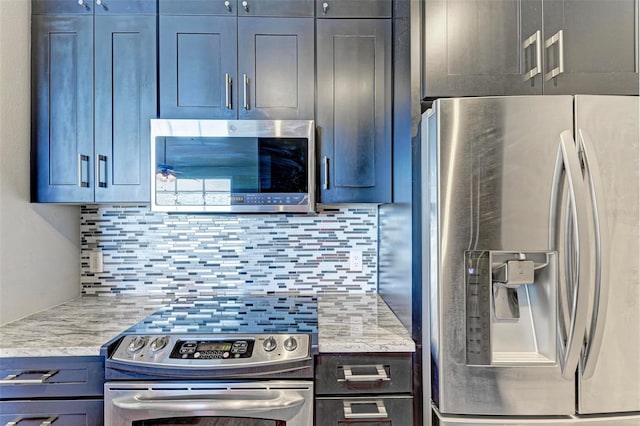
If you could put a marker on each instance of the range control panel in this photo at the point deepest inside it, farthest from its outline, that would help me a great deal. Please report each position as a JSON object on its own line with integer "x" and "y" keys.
{"x": 212, "y": 351}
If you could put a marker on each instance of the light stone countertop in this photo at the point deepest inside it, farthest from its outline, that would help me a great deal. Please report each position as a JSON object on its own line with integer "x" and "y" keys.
{"x": 75, "y": 328}
{"x": 347, "y": 322}
{"x": 356, "y": 322}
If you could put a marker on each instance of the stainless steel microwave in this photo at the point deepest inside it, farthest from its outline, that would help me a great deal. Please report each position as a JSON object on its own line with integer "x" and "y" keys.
{"x": 233, "y": 166}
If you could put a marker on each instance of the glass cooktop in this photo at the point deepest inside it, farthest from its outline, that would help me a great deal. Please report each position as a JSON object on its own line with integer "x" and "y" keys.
{"x": 234, "y": 314}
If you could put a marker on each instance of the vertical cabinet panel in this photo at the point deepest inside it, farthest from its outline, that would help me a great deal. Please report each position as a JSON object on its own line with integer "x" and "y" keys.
{"x": 598, "y": 50}
{"x": 125, "y": 100}
{"x": 276, "y": 57}
{"x": 197, "y": 53}
{"x": 62, "y": 96}
{"x": 354, "y": 109}
{"x": 354, "y": 120}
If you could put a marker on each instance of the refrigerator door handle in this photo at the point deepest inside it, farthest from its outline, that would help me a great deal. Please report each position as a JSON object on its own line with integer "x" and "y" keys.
{"x": 601, "y": 282}
{"x": 568, "y": 168}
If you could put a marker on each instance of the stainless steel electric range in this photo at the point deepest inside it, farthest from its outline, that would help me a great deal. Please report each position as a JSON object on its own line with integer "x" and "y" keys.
{"x": 241, "y": 360}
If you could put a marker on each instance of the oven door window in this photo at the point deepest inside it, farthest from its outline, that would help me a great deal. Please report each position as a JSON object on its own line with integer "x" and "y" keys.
{"x": 209, "y": 421}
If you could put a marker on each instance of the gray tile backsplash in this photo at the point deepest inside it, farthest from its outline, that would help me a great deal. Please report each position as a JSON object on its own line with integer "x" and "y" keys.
{"x": 147, "y": 252}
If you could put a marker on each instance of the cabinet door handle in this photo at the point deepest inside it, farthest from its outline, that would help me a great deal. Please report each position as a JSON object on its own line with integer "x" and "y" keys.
{"x": 537, "y": 69}
{"x": 381, "y": 411}
{"x": 12, "y": 379}
{"x": 325, "y": 8}
{"x": 48, "y": 420}
{"x": 227, "y": 91}
{"x": 245, "y": 5}
{"x": 101, "y": 4}
{"x": 101, "y": 183}
{"x": 83, "y": 159}
{"x": 247, "y": 106}
{"x": 227, "y": 4}
{"x": 325, "y": 162}
{"x": 83, "y": 4}
{"x": 556, "y": 38}
{"x": 381, "y": 375}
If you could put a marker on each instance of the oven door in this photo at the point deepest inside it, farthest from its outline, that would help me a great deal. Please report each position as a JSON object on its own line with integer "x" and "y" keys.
{"x": 269, "y": 403}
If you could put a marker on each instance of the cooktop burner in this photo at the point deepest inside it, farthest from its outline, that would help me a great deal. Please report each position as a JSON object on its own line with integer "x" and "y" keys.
{"x": 234, "y": 314}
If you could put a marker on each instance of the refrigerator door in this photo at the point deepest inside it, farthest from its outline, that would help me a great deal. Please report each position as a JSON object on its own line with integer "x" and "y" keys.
{"x": 609, "y": 377}
{"x": 494, "y": 269}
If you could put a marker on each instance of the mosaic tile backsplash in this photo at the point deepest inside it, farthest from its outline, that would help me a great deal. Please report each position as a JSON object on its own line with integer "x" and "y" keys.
{"x": 147, "y": 252}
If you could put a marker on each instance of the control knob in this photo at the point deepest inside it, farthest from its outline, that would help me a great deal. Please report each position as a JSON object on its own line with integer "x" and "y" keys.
{"x": 290, "y": 344}
{"x": 137, "y": 343}
{"x": 159, "y": 343}
{"x": 269, "y": 344}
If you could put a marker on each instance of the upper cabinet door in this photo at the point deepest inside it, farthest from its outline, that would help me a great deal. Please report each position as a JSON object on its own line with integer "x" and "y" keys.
{"x": 591, "y": 46}
{"x": 275, "y": 68}
{"x": 354, "y": 109}
{"x": 197, "y": 67}
{"x": 482, "y": 47}
{"x": 125, "y": 100}
{"x": 62, "y": 108}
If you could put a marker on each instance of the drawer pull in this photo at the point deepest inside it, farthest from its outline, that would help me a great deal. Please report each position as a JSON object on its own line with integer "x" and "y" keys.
{"x": 381, "y": 411}
{"x": 381, "y": 375}
{"x": 12, "y": 379}
{"x": 48, "y": 420}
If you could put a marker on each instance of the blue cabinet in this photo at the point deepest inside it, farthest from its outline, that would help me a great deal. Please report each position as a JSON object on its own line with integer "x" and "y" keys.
{"x": 228, "y": 62}
{"x": 354, "y": 110}
{"x": 93, "y": 93}
{"x": 64, "y": 390}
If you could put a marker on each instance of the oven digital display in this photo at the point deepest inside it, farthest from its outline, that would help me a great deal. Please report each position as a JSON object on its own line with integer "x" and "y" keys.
{"x": 214, "y": 346}
{"x": 212, "y": 349}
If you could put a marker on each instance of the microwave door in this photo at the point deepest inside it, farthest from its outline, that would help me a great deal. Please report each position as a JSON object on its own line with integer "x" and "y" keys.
{"x": 233, "y": 166}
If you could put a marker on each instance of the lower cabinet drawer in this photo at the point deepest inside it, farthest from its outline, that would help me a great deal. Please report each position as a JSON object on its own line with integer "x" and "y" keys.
{"x": 84, "y": 412}
{"x": 357, "y": 374}
{"x": 51, "y": 377}
{"x": 364, "y": 411}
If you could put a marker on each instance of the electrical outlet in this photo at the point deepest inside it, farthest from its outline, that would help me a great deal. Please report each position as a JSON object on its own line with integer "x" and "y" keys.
{"x": 95, "y": 261}
{"x": 355, "y": 260}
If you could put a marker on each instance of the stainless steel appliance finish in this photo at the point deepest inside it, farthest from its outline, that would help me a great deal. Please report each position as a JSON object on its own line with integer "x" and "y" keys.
{"x": 609, "y": 420}
{"x": 236, "y": 403}
{"x": 237, "y": 379}
{"x": 233, "y": 166}
{"x": 195, "y": 351}
{"x": 531, "y": 236}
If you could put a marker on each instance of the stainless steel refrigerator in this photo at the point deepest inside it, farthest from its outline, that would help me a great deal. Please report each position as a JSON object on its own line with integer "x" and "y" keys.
{"x": 531, "y": 261}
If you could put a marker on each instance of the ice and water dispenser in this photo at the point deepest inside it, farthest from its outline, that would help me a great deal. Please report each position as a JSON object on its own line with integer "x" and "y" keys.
{"x": 511, "y": 308}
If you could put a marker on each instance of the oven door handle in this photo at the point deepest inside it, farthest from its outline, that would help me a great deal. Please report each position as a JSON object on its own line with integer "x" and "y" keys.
{"x": 220, "y": 402}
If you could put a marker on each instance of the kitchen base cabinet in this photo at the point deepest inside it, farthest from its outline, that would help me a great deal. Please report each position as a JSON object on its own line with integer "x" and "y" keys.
{"x": 367, "y": 390}
{"x": 66, "y": 390}
{"x": 365, "y": 411}
{"x": 88, "y": 412}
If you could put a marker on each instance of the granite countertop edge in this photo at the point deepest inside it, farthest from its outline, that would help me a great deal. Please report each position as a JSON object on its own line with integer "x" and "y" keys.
{"x": 347, "y": 323}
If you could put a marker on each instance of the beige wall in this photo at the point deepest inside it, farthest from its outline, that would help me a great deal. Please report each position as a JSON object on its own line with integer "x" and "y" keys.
{"x": 39, "y": 244}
